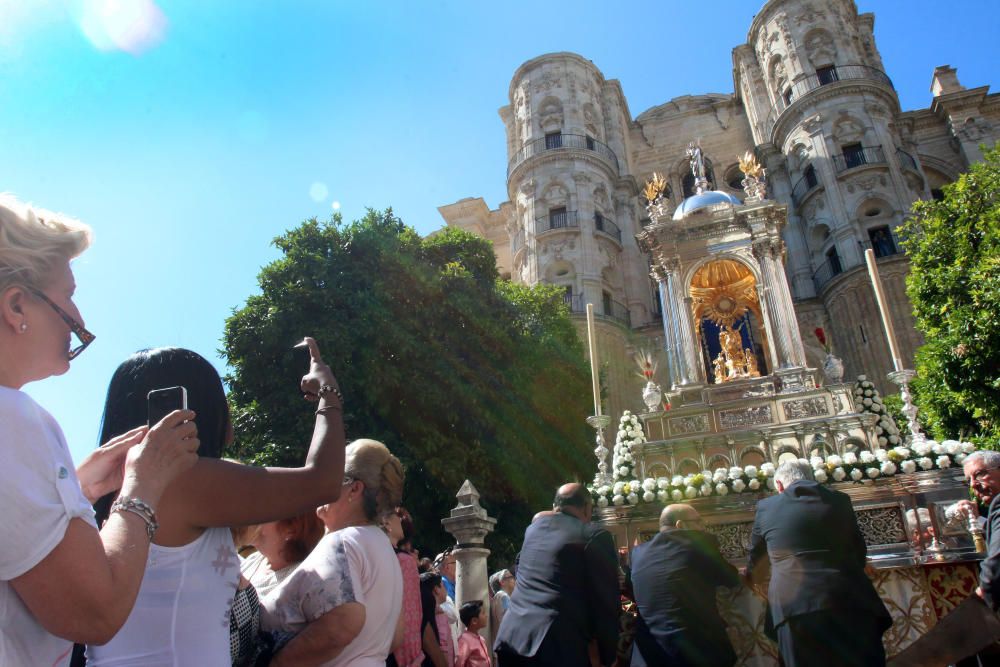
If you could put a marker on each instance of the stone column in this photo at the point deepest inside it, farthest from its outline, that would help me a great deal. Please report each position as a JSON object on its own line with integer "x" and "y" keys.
{"x": 470, "y": 525}
{"x": 785, "y": 326}
{"x": 689, "y": 370}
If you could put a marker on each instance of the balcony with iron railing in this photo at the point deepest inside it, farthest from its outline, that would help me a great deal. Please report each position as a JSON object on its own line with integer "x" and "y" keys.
{"x": 906, "y": 161}
{"x": 557, "y": 220}
{"x": 612, "y": 310}
{"x": 867, "y": 155}
{"x": 804, "y": 186}
{"x": 607, "y": 227}
{"x": 829, "y": 76}
{"x": 884, "y": 244}
{"x": 561, "y": 142}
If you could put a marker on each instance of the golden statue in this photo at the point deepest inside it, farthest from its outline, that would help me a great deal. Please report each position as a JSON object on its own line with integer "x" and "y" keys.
{"x": 655, "y": 187}
{"x": 720, "y": 372}
{"x": 751, "y": 363}
{"x": 734, "y": 362}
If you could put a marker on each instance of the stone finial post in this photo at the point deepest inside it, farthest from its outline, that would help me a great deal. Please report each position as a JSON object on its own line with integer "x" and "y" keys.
{"x": 470, "y": 525}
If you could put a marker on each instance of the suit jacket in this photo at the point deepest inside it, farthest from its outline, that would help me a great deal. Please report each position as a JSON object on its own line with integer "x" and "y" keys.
{"x": 566, "y": 594}
{"x": 810, "y": 538}
{"x": 989, "y": 569}
{"x": 674, "y": 577}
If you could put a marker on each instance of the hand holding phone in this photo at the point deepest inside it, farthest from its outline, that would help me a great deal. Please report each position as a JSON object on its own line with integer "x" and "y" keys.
{"x": 161, "y": 402}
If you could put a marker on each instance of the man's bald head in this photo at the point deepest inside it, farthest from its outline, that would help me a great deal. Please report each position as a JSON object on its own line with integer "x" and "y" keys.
{"x": 575, "y": 500}
{"x": 679, "y": 515}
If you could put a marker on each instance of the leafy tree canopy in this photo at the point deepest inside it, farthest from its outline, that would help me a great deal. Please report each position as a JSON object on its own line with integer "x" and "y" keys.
{"x": 459, "y": 374}
{"x": 954, "y": 284}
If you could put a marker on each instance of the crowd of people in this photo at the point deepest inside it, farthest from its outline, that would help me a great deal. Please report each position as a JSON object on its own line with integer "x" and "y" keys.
{"x": 157, "y": 551}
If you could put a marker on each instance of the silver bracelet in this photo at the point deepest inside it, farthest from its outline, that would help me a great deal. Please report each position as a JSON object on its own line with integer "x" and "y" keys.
{"x": 141, "y": 509}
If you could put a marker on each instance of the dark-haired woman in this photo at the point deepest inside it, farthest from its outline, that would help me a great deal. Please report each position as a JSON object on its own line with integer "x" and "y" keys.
{"x": 181, "y": 616}
{"x": 432, "y": 594}
{"x": 398, "y": 526}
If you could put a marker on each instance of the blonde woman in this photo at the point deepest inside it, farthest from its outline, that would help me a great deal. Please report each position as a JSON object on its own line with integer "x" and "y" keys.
{"x": 60, "y": 579}
{"x": 343, "y": 602}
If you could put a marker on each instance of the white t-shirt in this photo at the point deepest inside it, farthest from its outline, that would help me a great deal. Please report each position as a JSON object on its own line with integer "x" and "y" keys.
{"x": 181, "y": 616}
{"x": 258, "y": 572}
{"x": 39, "y": 494}
{"x": 355, "y": 564}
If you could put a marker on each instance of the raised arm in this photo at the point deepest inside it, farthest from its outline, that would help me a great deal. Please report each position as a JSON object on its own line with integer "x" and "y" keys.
{"x": 219, "y": 493}
{"x": 323, "y": 639}
{"x": 84, "y": 589}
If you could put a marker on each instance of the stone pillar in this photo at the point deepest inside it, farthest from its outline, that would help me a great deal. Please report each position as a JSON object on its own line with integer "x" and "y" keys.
{"x": 470, "y": 525}
{"x": 785, "y": 326}
{"x": 689, "y": 371}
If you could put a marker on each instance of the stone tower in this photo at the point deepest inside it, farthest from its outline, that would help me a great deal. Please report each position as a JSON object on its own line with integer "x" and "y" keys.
{"x": 574, "y": 218}
{"x": 822, "y": 112}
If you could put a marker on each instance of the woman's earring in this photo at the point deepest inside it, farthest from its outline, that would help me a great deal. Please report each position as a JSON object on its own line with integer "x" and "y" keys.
{"x": 24, "y": 327}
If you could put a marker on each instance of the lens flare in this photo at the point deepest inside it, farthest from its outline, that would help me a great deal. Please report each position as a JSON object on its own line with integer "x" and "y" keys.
{"x": 318, "y": 191}
{"x": 133, "y": 26}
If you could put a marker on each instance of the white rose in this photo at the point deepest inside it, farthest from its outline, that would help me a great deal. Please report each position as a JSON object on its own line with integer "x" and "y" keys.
{"x": 767, "y": 468}
{"x": 950, "y": 446}
{"x": 968, "y": 448}
{"x": 735, "y": 472}
{"x": 677, "y": 481}
{"x": 883, "y": 441}
{"x": 753, "y": 484}
{"x": 706, "y": 489}
{"x": 820, "y": 475}
{"x": 839, "y": 474}
{"x": 921, "y": 449}
{"x": 888, "y": 468}
{"x": 649, "y": 496}
{"x": 867, "y": 402}
{"x": 751, "y": 471}
{"x": 876, "y": 407}
{"x": 908, "y": 466}
{"x": 872, "y": 472}
{"x": 850, "y": 458}
{"x": 865, "y": 456}
{"x": 648, "y": 484}
{"x": 867, "y": 385}
{"x": 633, "y": 499}
{"x": 739, "y": 485}
{"x": 943, "y": 462}
{"x": 676, "y": 494}
{"x": 662, "y": 483}
{"x": 937, "y": 449}
{"x": 690, "y": 492}
{"x": 960, "y": 458}
{"x": 868, "y": 392}
{"x": 720, "y": 476}
{"x": 623, "y": 471}
{"x": 621, "y": 434}
{"x": 862, "y": 378}
{"x": 602, "y": 501}
{"x": 618, "y": 500}
{"x": 816, "y": 461}
{"x": 856, "y": 475}
{"x": 627, "y": 457}
{"x": 617, "y": 488}
{"x": 902, "y": 451}
{"x": 925, "y": 463}
{"x": 834, "y": 460}
{"x": 722, "y": 489}
{"x": 881, "y": 454}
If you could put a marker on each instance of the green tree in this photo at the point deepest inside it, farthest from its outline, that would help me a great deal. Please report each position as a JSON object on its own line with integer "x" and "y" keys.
{"x": 461, "y": 375}
{"x": 954, "y": 284}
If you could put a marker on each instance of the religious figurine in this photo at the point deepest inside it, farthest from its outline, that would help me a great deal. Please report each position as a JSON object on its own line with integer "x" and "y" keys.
{"x": 697, "y": 160}
{"x": 751, "y": 363}
{"x": 720, "y": 373}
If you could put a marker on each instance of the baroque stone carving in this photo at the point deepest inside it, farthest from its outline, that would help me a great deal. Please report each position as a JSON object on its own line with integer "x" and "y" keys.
{"x": 883, "y": 525}
{"x": 689, "y": 424}
{"x": 734, "y": 539}
{"x": 806, "y": 407}
{"x": 745, "y": 417}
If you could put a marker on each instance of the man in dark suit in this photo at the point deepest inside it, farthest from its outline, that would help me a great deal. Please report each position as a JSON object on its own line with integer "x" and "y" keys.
{"x": 823, "y": 608}
{"x": 982, "y": 469}
{"x": 567, "y": 590}
{"x": 674, "y": 577}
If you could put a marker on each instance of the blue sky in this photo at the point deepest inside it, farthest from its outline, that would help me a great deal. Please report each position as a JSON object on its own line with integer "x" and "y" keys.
{"x": 233, "y": 121}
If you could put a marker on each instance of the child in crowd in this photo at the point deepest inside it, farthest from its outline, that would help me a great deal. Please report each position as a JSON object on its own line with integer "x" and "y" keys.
{"x": 472, "y": 651}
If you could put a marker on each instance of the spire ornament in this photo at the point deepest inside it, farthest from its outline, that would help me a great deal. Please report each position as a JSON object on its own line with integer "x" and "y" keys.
{"x": 754, "y": 183}
{"x": 655, "y": 192}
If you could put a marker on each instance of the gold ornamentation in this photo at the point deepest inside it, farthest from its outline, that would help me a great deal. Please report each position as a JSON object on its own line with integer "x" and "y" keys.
{"x": 749, "y": 165}
{"x": 754, "y": 184}
{"x": 655, "y": 187}
{"x": 733, "y": 362}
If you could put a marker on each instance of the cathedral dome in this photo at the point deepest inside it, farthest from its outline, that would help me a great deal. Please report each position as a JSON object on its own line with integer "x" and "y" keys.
{"x": 702, "y": 201}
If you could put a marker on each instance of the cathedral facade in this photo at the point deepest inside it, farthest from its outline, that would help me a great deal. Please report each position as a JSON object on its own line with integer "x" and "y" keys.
{"x": 812, "y": 101}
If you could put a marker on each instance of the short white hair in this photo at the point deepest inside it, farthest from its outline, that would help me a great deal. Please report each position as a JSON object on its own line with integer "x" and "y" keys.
{"x": 34, "y": 242}
{"x": 790, "y": 472}
{"x": 989, "y": 458}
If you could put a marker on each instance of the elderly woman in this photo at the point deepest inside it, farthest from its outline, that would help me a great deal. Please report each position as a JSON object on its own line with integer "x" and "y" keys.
{"x": 193, "y": 572}
{"x": 343, "y": 602}
{"x": 281, "y": 546}
{"x": 60, "y": 579}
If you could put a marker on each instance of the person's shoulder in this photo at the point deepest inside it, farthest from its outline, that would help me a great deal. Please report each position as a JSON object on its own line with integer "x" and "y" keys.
{"x": 17, "y": 406}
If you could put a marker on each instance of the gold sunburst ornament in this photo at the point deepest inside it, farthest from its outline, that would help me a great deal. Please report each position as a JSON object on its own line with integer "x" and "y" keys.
{"x": 754, "y": 184}
{"x": 655, "y": 192}
{"x": 749, "y": 165}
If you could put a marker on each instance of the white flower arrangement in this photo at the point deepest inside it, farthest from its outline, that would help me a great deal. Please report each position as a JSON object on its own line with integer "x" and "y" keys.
{"x": 868, "y": 398}
{"x": 857, "y": 467}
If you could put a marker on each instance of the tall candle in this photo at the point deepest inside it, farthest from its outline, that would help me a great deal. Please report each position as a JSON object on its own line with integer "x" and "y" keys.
{"x": 592, "y": 344}
{"x": 883, "y": 307}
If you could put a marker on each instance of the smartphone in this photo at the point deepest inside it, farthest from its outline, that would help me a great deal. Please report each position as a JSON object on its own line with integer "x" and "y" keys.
{"x": 161, "y": 402}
